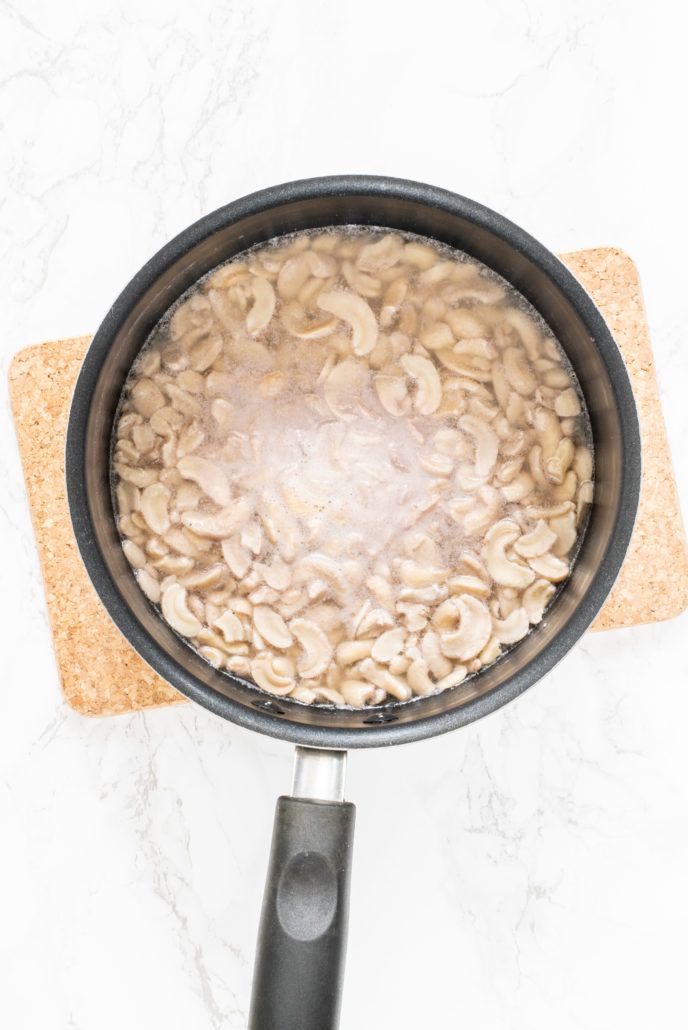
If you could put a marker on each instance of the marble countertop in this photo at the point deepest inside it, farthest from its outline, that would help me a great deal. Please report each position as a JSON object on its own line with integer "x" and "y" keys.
{"x": 523, "y": 873}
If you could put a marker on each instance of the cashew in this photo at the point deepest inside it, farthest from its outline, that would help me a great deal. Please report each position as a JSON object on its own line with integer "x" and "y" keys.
{"x": 539, "y": 540}
{"x": 516, "y": 370}
{"x": 456, "y": 676}
{"x": 567, "y": 490}
{"x": 146, "y": 397}
{"x": 564, "y": 529}
{"x": 364, "y": 284}
{"x": 503, "y": 571}
{"x": 205, "y": 579}
{"x": 317, "y": 650}
{"x": 567, "y": 404}
{"x": 351, "y": 651}
{"x": 154, "y": 507}
{"x": 549, "y": 567}
{"x": 136, "y": 476}
{"x": 447, "y": 614}
{"x": 273, "y": 673}
{"x": 230, "y": 626}
{"x": 236, "y": 556}
{"x": 149, "y": 584}
{"x": 176, "y": 612}
{"x": 485, "y": 440}
{"x": 536, "y": 598}
{"x": 393, "y": 298}
{"x": 557, "y": 466}
{"x": 213, "y": 655}
{"x": 428, "y": 387}
{"x": 415, "y": 575}
{"x": 201, "y": 355}
{"x": 527, "y": 330}
{"x": 373, "y": 622}
{"x": 392, "y": 394}
{"x": 352, "y": 309}
{"x": 297, "y": 270}
{"x": 252, "y": 538}
{"x": 357, "y": 693}
{"x": 468, "y": 585}
{"x": 418, "y": 678}
{"x": 520, "y": 487}
{"x": 272, "y": 627}
{"x": 342, "y": 387}
{"x": 582, "y": 464}
{"x": 513, "y": 628}
{"x": 438, "y": 337}
{"x": 134, "y": 554}
{"x": 383, "y": 678}
{"x": 238, "y": 664}
{"x": 375, "y": 257}
{"x": 277, "y": 575}
{"x": 381, "y": 588}
{"x": 304, "y": 326}
{"x": 475, "y": 627}
{"x": 218, "y": 526}
{"x": 263, "y": 305}
{"x": 415, "y": 615}
{"x": 388, "y": 645}
{"x": 209, "y": 476}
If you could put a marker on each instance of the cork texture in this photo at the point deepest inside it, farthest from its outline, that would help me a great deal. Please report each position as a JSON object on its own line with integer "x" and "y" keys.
{"x": 101, "y": 674}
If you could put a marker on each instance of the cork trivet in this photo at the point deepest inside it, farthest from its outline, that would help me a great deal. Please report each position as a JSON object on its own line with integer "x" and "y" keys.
{"x": 653, "y": 582}
{"x": 101, "y": 674}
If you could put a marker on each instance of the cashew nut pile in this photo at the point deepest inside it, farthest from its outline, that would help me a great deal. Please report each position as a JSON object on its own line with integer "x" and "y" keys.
{"x": 351, "y": 467}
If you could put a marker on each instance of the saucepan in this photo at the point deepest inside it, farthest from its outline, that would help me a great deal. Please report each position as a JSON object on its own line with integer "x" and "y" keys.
{"x": 300, "y": 954}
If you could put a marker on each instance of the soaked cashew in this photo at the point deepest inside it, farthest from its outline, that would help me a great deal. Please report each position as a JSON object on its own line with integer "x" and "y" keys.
{"x": 351, "y": 468}
{"x": 272, "y": 627}
{"x": 393, "y": 394}
{"x": 357, "y": 693}
{"x": 513, "y": 628}
{"x": 220, "y": 525}
{"x": 485, "y": 440}
{"x": 536, "y": 598}
{"x": 428, "y": 387}
{"x": 549, "y": 567}
{"x": 316, "y": 648}
{"x": 273, "y": 673}
{"x": 154, "y": 507}
{"x": 351, "y": 651}
{"x": 504, "y": 571}
{"x": 352, "y": 309}
{"x": 388, "y": 645}
{"x": 209, "y": 476}
{"x": 176, "y": 611}
{"x": 539, "y": 540}
{"x": 263, "y": 305}
{"x": 385, "y": 679}
{"x": 473, "y": 632}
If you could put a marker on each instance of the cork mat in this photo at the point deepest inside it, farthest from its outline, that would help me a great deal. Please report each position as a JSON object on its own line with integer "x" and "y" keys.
{"x": 100, "y": 673}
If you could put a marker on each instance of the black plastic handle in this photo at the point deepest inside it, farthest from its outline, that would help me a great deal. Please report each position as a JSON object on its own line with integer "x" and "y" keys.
{"x": 297, "y": 983}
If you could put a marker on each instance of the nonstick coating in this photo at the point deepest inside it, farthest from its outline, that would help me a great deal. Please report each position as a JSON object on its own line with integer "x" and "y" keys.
{"x": 414, "y": 207}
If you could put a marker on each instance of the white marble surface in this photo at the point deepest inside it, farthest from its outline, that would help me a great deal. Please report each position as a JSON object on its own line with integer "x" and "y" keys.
{"x": 524, "y": 873}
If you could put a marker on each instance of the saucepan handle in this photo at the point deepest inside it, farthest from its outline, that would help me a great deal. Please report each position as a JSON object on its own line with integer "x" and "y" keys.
{"x": 299, "y": 966}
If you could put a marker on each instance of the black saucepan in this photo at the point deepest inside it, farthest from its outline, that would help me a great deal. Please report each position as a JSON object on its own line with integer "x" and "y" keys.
{"x": 299, "y": 964}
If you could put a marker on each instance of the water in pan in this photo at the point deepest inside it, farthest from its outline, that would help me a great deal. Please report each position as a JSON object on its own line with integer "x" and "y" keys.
{"x": 352, "y": 466}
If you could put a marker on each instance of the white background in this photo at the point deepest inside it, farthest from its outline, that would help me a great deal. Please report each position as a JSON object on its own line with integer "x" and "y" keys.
{"x": 528, "y": 872}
